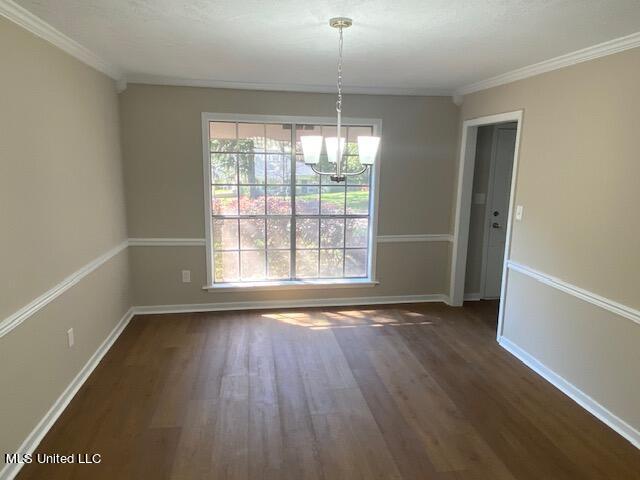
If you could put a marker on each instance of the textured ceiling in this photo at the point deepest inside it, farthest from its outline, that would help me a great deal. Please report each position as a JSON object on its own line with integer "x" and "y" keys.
{"x": 402, "y": 44}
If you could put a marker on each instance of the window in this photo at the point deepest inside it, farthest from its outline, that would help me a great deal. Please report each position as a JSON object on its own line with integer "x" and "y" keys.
{"x": 275, "y": 221}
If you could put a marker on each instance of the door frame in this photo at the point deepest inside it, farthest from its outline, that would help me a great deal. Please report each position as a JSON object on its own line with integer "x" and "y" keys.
{"x": 463, "y": 205}
{"x": 487, "y": 212}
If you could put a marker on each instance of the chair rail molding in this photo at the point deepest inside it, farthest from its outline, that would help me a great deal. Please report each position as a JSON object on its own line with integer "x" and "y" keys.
{"x": 427, "y": 237}
{"x": 189, "y": 242}
{"x": 166, "y": 242}
{"x": 15, "y": 319}
{"x": 566, "y": 287}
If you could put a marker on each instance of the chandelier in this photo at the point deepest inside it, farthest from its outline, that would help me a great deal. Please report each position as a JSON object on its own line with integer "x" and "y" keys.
{"x": 335, "y": 146}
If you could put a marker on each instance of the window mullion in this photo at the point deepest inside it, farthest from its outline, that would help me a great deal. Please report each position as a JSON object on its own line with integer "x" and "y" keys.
{"x": 237, "y": 156}
{"x": 344, "y": 220}
{"x": 292, "y": 182}
{"x": 319, "y": 221}
{"x": 266, "y": 202}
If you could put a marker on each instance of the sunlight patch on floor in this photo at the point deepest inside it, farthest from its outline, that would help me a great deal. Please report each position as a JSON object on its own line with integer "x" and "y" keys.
{"x": 331, "y": 320}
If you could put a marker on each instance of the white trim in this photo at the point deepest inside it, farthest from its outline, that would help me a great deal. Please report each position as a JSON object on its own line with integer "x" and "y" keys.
{"x": 590, "y": 53}
{"x": 593, "y": 298}
{"x": 271, "y": 304}
{"x": 374, "y": 200}
{"x": 573, "y": 392}
{"x": 206, "y": 180}
{"x": 319, "y": 284}
{"x": 472, "y": 297}
{"x": 463, "y": 204}
{"x": 207, "y": 117}
{"x": 191, "y": 242}
{"x": 283, "y": 87}
{"x": 167, "y": 242}
{"x": 14, "y": 320}
{"x": 298, "y": 119}
{"x": 40, "y": 28}
{"x": 37, "y": 434}
{"x": 121, "y": 84}
{"x": 428, "y": 237}
{"x": 462, "y": 214}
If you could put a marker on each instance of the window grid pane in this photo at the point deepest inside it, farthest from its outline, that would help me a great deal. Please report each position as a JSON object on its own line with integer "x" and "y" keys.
{"x": 289, "y": 222}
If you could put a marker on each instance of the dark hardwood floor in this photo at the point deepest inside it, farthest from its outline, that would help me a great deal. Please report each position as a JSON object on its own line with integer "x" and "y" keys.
{"x": 401, "y": 392}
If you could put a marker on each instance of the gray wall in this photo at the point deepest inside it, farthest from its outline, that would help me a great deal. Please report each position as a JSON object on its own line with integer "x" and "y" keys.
{"x": 162, "y": 147}
{"x": 578, "y": 182}
{"x": 61, "y": 206}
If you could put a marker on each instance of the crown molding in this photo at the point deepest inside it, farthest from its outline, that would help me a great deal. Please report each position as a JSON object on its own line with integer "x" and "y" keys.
{"x": 283, "y": 87}
{"x": 590, "y": 53}
{"x": 27, "y": 20}
{"x": 40, "y": 28}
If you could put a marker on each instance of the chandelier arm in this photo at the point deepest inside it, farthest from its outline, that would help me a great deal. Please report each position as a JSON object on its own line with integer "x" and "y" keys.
{"x": 343, "y": 174}
{"x": 321, "y": 173}
{"x": 359, "y": 172}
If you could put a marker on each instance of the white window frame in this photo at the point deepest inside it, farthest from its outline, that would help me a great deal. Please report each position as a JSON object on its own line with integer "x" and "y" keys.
{"x": 368, "y": 281}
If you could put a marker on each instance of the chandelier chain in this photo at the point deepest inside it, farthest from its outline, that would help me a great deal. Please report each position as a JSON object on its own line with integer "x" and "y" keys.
{"x": 339, "y": 102}
{"x": 313, "y": 149}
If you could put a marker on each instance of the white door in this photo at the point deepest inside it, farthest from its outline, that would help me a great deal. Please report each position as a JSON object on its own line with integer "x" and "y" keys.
{"x": 498, "y": 209}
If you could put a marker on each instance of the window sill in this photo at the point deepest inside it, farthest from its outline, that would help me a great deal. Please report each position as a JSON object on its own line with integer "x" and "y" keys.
{"x": 290, "y": 285}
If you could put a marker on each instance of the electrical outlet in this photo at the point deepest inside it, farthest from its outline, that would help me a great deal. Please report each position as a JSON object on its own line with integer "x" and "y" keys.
{"x": 186, "y": 276}
{"x": 519, "y": 212}
{"x": 70, "y": 338}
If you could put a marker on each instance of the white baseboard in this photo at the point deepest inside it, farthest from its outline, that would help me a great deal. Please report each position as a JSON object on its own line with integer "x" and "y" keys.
{"x": 268, "y": 304}
{"x": 577, "y": 395}
{"x": 37, "y": 434}
{"x": 472, "y": 297}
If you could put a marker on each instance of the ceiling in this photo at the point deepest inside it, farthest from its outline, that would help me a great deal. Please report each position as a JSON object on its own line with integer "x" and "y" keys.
{"x": 399, "y": 45}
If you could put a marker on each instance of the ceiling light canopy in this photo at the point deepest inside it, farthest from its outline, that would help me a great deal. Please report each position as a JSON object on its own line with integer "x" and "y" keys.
{"x": 312, "y": 144}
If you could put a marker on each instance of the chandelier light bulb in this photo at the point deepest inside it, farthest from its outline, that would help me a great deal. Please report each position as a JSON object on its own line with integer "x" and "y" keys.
{"x": 332, "y": 149}
{"x": 311, "y": 148}
{"x": 368, "y": 149}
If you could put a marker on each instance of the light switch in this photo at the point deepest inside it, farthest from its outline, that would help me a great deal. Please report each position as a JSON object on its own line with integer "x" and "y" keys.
{"x": 186, "y": 276}
{"x": 519, "y": 212}
{"x": 70, "y": 338}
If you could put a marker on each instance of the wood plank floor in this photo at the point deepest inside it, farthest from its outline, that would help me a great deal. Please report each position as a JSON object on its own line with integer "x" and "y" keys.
{"x": 398, "y": 392}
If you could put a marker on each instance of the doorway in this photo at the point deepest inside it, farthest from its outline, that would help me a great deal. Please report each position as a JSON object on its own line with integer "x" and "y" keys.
{"x": 495, "y": 146}
{"x": 483, "y": 223}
